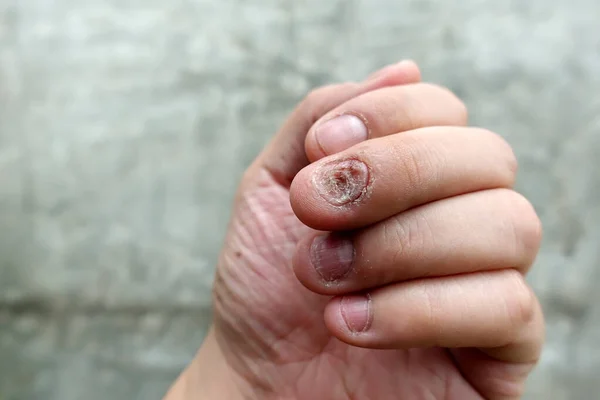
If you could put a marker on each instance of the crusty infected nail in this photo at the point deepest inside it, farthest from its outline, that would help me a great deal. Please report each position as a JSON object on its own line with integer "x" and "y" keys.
{"x": 341, "y": 182}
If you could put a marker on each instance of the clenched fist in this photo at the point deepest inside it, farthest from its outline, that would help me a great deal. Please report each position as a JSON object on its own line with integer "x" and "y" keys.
{"x": 376, "y": 251}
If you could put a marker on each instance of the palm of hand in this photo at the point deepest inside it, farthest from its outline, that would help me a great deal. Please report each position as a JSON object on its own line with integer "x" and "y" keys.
{"x": 272, "y": 327}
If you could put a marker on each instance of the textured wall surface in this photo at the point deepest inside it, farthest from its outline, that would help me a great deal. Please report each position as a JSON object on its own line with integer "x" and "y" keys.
{"x": 125, "y": 124}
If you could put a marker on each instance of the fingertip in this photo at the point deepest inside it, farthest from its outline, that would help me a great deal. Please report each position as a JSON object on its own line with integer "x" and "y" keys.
{"x": 301, "y": 264}
{"x": 308, "y": 204}
{"x": 411, "y": 70}
{"x": 302, "y": 196}
{"x": 403, "y": 73}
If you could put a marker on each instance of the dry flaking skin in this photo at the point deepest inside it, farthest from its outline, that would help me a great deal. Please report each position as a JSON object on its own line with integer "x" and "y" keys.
{"x": 343, "y": 182}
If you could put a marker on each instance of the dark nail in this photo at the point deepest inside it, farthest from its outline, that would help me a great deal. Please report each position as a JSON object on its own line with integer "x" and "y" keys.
{"x": 332, "y": 256}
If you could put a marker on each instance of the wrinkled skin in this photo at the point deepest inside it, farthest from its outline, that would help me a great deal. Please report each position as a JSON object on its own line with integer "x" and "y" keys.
{"x": 273, "y": 338}
{"x": 272, "y": 329}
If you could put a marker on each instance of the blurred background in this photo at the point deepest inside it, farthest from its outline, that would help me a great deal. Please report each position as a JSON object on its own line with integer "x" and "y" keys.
{"x": 125, "y": 126}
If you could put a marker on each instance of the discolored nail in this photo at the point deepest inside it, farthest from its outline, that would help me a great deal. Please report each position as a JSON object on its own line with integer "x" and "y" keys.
{"x": 356, "y": 312}
{"x": 340, "y": 133}
{"x": 341, "y": 182}
{"x": 332, "y": 257}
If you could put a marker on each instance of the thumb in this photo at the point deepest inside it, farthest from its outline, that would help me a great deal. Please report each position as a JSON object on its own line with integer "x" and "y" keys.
{"x": 285, "y": 155}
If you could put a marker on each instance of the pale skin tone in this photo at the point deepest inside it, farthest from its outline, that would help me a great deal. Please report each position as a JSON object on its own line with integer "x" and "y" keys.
{"x": 378, "y": 256}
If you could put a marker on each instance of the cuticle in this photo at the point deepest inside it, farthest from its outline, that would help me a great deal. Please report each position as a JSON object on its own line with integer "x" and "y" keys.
{"x": 369, "y": 312}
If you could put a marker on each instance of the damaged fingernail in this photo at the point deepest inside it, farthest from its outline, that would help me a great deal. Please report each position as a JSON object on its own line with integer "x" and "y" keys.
{"x": 332, "y": 257}
{"x": 356, "y": 312}
{"x": 342, "y": 182}
{"x": 341, "y": 133}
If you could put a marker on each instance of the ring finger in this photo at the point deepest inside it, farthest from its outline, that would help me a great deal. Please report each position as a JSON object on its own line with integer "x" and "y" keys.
{"x": 382, "y": 177}
{"x": 479, "y": 231}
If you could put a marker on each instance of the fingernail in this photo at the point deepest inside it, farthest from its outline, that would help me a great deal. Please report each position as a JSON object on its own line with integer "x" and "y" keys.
{"x": 356, "y": 312}
{"x": 342, "y": 182}
{"x": 332, "y": 257}
{"x": 341, "y": 133}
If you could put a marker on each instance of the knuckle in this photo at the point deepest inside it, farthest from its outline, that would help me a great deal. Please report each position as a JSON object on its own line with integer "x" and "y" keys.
{"x": 317, "y": 102}
{"x": 430, "y": 317}
{"x": 501, "y": 146}
{"x": 436, "y": 88}
{"x": 526, "y": 225}
{"x": 521, "y": 302}
{"x": 529, "y": 222}
{"x": 313, "y": 100}
{"x": 408, "y": 110}
{"x": 415, "y": 162}
{"x": 419, "y": 233}
{"x": 409, "y": 234}
{"x": 462, "y": 112}
{"x": 460, "y": 109}
{"x": 414, "y": 170}
{"x": 395, "y": 233}
{"x": 535, "y": 233}
{"x": 315, "y": 95}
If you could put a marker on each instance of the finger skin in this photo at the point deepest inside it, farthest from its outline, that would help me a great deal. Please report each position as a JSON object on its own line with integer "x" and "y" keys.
{"x": 494, "y": 310}
{"x": 285, "y": 155}
{"x": 486, "y": 230}
{"x": 407, "y": 67}
{"x": 382, "y": 177}
{"x": 496, "y": 379}
{"x": 392, "y": 110}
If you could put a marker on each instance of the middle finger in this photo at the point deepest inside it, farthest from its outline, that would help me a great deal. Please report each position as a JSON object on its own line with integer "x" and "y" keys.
{"x": 385, "y": 176}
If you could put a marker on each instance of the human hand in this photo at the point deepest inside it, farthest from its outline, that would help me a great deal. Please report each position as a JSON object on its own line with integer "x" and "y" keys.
{"x": 415, "y": 232}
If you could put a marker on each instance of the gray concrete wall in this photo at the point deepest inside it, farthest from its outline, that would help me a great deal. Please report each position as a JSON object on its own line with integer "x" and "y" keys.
{"x": 125, "y": 124}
